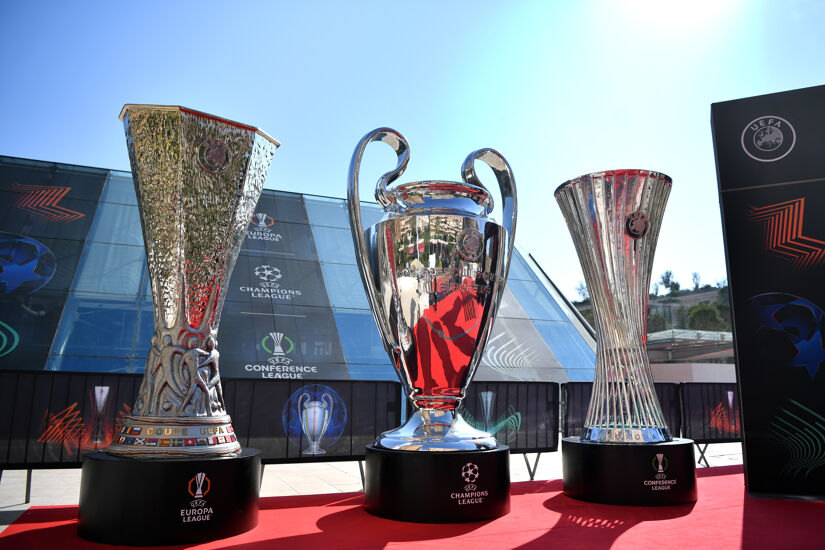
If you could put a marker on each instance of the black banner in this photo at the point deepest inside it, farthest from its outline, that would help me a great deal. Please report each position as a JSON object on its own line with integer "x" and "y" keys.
{"x": 576, "y": 399}
{"x": 51, "y": 419}
{"x": 711, "y": 412}
{"x": 522, "y": 415}
{"x": 771, "y": 173}
{"x": 46, "y": 211}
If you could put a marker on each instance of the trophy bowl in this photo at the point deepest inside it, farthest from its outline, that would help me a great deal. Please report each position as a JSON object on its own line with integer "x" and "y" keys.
{"x": 434, "y": 270}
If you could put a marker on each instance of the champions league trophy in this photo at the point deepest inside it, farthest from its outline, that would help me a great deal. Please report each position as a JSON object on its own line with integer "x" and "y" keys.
{"x": 315, "y": 417}
{"x": 626, "y": 454}
{"x": 434, "y": 269}
{"x": 197, "y": 178}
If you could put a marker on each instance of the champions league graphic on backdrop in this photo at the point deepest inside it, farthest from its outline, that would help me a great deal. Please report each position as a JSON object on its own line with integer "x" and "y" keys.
{"x": 314, "y": 417}
{"x": 26, "y": 264}
{"x": 788, "y": 331}
{"x": 269, "y": 285}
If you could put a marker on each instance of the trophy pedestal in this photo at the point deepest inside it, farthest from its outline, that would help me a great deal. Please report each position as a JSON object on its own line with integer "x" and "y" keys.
{"x": 167, "y": 500}
{"x": 654, "y": 474}
{"x": 438, "y": 487}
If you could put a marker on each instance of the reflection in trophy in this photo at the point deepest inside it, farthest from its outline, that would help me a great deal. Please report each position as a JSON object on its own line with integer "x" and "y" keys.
{"x": 315, "y": 417}
{"x": 197, "y": 179}
{"x": 434, "y": 270}
{"x": 487, "y": 400}
{"x": 100, "y": 398}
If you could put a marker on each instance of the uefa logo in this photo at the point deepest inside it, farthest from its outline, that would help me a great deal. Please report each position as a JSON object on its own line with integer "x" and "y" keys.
{"x": 470, "y": 244}
{"x": 214, "y": 155}
{"x": 768, "y": 138}
{"x": 274, "y": 344}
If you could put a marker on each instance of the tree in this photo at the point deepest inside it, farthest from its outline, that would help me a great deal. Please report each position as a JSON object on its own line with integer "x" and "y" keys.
{"x": 581, "y": 290}
{"x": 705, "y": 317}
{"x": 656, "y": 322}
{"x": 655, "y": 288}
{"x": 667, "y": 281}
{"x": 696, "y": 280}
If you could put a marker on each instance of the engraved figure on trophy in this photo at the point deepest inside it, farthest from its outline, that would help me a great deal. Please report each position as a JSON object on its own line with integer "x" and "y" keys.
{"x": 315, "y": 417}
{"x": 434, "y": 270}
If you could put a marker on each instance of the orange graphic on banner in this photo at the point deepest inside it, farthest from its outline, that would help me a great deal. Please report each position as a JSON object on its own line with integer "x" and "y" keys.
{"x": 68, "y": 428}
{"x": 782, "y": 228}
{"x": 724, "y": 420}
{"x": 41, "y": 200}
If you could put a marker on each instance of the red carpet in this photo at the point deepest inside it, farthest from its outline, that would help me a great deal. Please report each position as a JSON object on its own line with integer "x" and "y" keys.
{"x": 541, "y": 517}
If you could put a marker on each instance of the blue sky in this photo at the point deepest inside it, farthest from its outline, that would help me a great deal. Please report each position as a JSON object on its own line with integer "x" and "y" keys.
{"x": 559, "y": 88}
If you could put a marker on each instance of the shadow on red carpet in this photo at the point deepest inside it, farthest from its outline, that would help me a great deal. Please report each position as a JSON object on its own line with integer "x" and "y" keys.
{"x": 541, "y": 517}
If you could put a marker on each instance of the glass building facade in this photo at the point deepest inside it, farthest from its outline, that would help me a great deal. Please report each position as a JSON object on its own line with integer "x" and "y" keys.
{"x": 75, "y": 295}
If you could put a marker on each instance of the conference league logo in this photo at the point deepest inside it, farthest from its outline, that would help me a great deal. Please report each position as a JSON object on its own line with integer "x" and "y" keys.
{"x": 199, "y": 510}
{"x": 660, "y": 481}
{"x": 269, "y": 285}
{"x": 471, "y": 494}
{"x": 768, "y": 138}
{"x": 280, "y": 347}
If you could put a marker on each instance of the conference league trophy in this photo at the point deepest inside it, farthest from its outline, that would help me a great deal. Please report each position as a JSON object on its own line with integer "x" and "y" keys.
{"x": 175, "y": 472}
{"x": 626, "y": 454}
{"x": 434, "y": 269}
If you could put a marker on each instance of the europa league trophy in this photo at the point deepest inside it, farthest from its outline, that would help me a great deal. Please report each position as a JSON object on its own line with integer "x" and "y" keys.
{"x": 434, "y": 269}
{"x": 197, "y": 179}
{"x": 626, "y": 454}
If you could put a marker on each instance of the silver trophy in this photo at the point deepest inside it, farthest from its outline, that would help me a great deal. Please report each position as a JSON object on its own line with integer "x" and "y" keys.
{"x": 197, "y": 178}
{"x": 315, "y": 417}
{"x": 614, "y": 218}
{"x": 434, "y": 269}
{"x": 100, "y": 397}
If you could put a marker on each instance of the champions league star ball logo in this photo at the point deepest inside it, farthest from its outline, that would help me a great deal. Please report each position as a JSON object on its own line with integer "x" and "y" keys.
{"x": 768, "y": 138}
{"x": 787, "y": 331}
{"x": 267, "y": 273}
{"x": 469, "y": 473}
{"x": 26, "y": 265}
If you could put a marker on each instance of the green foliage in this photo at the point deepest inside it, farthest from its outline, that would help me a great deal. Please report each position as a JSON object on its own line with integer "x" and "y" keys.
{"x": 708, "y": 317}
{"x": 656, "y": 322}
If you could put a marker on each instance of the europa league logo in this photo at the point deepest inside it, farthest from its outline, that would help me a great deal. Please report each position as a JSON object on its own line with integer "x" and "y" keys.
{"x": 213, "y": 155}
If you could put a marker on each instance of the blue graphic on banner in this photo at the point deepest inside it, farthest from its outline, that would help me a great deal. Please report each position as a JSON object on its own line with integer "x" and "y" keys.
{"x": 314, "y": 418}
{"x": 788, "y": 330}
{"x": 26, "y": 265}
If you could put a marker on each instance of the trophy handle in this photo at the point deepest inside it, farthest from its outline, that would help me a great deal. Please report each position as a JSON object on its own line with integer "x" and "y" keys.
{"x": 301, "y": 403}
{"x": 506, "y": 183}
{"x": 328, "y": 414}
{"x": 402, "y": 150}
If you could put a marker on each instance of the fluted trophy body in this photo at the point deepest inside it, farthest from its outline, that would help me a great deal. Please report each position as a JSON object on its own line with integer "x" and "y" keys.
{"x": 197, "y": 179}
{"x": 614, "y": 218}
{"x": 434, "y": 269}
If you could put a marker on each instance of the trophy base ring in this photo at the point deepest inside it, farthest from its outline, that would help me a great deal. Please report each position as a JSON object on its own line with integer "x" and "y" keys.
{"x": 166, "y": 500}
{"x": 657, "y": 474}
{"x": 437, "y": 487}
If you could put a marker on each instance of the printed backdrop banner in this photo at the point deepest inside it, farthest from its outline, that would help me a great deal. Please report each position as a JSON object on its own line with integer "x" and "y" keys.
{"x": 46, "y": 211}
{"x": 54, "y": 418}
{"x": 771, "y": 171}
{"x": 522, "y": 415}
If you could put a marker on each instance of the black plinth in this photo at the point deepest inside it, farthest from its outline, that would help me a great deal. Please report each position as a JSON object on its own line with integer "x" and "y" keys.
{"x": 617, "y": 473}
{"x": 438, "y": 487}
{"x": 168, "y": 501}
